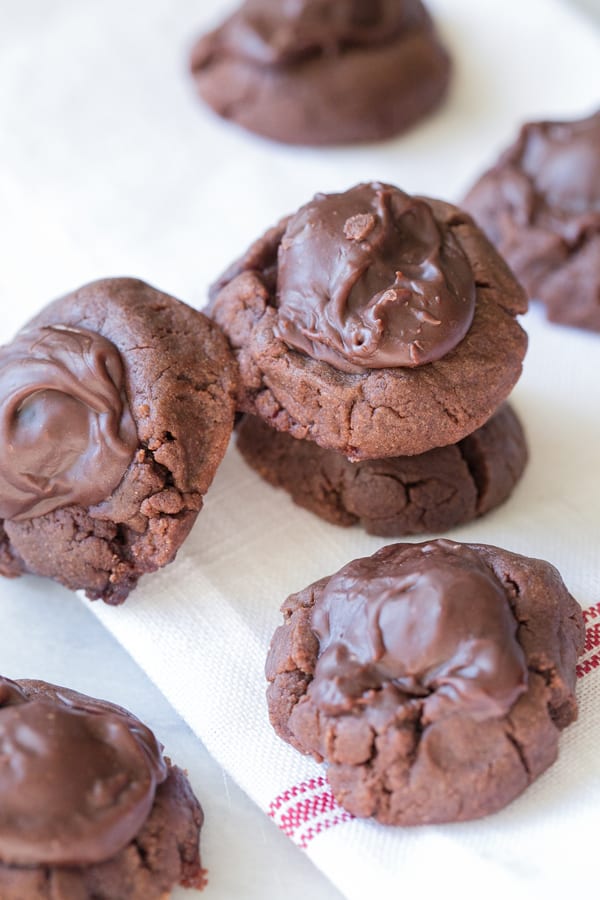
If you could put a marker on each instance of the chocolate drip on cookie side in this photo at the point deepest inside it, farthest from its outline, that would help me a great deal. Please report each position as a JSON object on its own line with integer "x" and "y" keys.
{"x": 66, "y": 431}
{"x": 369, "y": 279}
{"x": 284, "y": 32}
{"x": 429, "y": 621}
{"x": 77, "y": 778}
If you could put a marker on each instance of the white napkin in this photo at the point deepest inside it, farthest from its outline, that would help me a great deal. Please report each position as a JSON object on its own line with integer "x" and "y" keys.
{"x": 108, "y": 166}
{"x": 200, "y": 629}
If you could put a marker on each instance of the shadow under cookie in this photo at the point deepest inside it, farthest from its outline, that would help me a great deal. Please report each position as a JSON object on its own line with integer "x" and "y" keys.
{"x": 431, "y": 492}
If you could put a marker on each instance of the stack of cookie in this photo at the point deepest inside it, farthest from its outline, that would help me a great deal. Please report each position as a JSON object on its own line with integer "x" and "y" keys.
{"x": 377, "y": 341}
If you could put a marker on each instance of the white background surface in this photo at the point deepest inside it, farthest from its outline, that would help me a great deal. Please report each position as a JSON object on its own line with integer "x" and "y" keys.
{"x": 100, "y": 143}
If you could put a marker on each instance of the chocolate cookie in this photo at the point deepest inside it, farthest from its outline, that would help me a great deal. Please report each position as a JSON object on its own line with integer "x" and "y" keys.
{"x": 323, "y": 71}
{"x": 373, "y": 323}
{"x": 116, "y": 407}
{"x": 434, "y": 678}
{"x": 540, "y": 205}
{"x": 397, "y": 496}
{"x": 90, "y": 808}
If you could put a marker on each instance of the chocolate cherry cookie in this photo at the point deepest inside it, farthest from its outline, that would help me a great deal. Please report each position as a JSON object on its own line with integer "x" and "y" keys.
{"x": 323, "y": 71}
{"x": 90, "y": 808}
{"x": 373, "y": 323}
{"x": 402, "y": 495}
{"x": 540, "y": 205}
{"x": 116, "y": 407}
{"x": 433, "y": 679}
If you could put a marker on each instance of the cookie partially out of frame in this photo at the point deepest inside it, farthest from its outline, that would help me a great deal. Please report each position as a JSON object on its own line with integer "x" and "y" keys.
{"x": 116, "y": 407}
{"x": 91, "y": 810}
{"x": 431, "y": 492}
{"x": 432, "y": 679}
{"x": 323, "y": 71}
{"x": 373, "y": 323}
{"x": 540, "y": 205}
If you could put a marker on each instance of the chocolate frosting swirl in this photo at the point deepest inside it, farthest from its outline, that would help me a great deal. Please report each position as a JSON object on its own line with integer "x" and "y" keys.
{"x": 283, "y": 32}
{"x": 368, "y": 279}
{"x": 429, "y": 620}
{"x": 77, "y": 777}
{"x": 66, "y": 432}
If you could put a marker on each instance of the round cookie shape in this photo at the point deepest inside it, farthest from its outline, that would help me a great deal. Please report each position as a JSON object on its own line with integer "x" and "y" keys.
{"x": 398, "y": 496}
{"x": 147, "y": 388}
{"x": 540, "y": 205}
{"x": 319, "y": 72}
{"x": 424, "y": 400}
{"x": 74, "y": 772}
{"x": 433, "y": 679}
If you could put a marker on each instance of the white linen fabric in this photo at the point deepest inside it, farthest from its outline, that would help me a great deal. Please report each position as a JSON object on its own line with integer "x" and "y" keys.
{"x": 109, "y": 166}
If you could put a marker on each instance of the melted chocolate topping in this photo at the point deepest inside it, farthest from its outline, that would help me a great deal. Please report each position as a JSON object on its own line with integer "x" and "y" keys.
{"x": 77, "y": 777}
{"x": 430, "y": 620}
{"x": 563, "y": 160}
{"x": 66, "y": 432}
{"x": 369, "y": 280}
{"x": 550, "y": 179}
{"x": 283, "y": 32}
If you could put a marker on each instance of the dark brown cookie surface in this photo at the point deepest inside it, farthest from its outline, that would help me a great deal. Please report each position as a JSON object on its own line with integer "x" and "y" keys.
{"x": 431, "y": 492}
{"x": 323, "y": 72}
{"x": 540, "y": 205}
{"x": 404, "y": 339}
{"x": 118, "y": 400}
{"x": 91, "y": 810}
{"x": 433, "y": 679}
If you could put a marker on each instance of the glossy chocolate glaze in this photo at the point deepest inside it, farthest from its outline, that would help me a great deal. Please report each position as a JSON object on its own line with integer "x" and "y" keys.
{"x": 369, "y": 279}
{"x": 548, "y": 180}
{"x": 66, "y": 432}
{"x": 563, "y": 161}
{"x": 77, "y": 777}
{"x": 426, "y": 621}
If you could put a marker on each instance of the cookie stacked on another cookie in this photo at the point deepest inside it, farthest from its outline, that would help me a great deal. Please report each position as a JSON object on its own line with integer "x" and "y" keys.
{"x": 373, "y": 327}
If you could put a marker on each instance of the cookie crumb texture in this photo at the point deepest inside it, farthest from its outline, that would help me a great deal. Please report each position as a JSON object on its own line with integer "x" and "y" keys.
{"x": 180, "y": 382}
{"x": 540, "y": 205}
{"x": 319, "y": 72}
{"x": 380, "y": 412}
{"x": 438, "y": 698}
{"x": 432, "y": 492}
{"x": 162, "y": 854}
